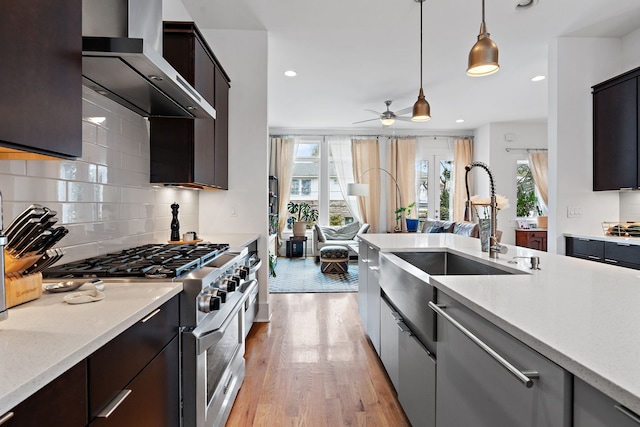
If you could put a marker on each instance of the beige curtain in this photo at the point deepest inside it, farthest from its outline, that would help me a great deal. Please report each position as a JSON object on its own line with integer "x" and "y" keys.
{"x": 462, "y": 156}
{"x": 281, "y": 156}
{"x": 539, "y": 165}
{"x": 366, "y": 155}
{"x": 402, "y": 165}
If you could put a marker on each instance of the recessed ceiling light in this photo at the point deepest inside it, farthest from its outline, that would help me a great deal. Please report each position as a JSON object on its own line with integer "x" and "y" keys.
{"x": 290, "y": 73}
{"x": 525, "y": 4}
{"x": 460, "y": 121}
{"x": 538, "y": 78}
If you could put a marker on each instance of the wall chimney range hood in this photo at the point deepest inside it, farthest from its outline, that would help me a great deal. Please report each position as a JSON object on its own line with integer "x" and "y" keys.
{"x": 122, "y": 60}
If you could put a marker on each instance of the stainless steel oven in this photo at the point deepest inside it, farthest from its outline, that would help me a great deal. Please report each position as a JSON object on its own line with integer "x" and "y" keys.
{"x": 217, "y": 307}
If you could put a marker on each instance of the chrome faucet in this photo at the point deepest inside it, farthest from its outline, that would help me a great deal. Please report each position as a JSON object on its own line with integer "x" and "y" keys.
{"x": 535, "y": 261}
{"x": 3, "y": 241}
{"x": 494, "y": 247}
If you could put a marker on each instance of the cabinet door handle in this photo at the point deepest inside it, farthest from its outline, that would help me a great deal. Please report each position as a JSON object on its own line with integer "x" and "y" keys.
{"x": 113, "y": 405}
{"x": 150, "y": 315}
{"x": 593, "y": 257}
{"x": 6, "y": 417}
{"x": 583, "y": 239}
{"x": 403, "y": 327}
{"x": 374, "y": 268}
{"x": 628, "y": 413}
{"x": 610, "y": 261}
{"x": 524, "y": 377}
{"x": 396, "y": 316}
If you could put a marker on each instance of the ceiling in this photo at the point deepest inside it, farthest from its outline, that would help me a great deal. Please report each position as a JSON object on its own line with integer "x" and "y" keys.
{"x": 352, "y": 55}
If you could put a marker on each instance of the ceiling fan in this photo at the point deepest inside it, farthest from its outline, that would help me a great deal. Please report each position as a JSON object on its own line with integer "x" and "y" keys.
{"x": 388, "y": 117}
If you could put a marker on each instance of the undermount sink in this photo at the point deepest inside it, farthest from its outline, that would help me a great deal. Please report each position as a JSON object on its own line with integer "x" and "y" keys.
{"x": 449, "y": 264}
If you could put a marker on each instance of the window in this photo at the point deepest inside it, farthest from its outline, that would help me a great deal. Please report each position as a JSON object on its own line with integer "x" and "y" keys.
{"x": 435, "y": 201}
{"x": 529, "y": 202}
{"x": 305, "y": 178}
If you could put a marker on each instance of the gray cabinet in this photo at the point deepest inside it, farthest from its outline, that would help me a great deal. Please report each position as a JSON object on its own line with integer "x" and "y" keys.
{"x": 410, "y": 366}
{"x": 389, "y": 342}
{"x": 369, "y": 292}
{"x": 615, "y": 253}
{"x": 475, "y": 389}
{"x": 591, "y": 408}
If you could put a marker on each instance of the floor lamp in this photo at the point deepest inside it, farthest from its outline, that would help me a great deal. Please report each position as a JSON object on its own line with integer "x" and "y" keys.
{"x": 359, "y": 189}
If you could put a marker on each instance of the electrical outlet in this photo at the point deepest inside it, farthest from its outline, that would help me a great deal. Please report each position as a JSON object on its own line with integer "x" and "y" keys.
{"x": 574, "y": 211}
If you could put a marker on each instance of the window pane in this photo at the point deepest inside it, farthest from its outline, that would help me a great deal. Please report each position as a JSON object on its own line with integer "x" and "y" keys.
{"x": 445, "y": 189}
{"x": 339, "y": 212}
{"x": 527, "y": 204}
{"x": 306, "y": 169}
{"x": 423, "y": 188}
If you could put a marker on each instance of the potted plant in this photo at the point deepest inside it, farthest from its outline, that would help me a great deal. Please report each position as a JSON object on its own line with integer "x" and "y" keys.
{"x": 302, "y": 214}
{"x": 412, "y": 223}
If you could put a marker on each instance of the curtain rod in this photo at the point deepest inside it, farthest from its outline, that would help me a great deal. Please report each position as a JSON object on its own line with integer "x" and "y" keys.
{"x": 376, "y": 136}
{"x": 528, "y": 150}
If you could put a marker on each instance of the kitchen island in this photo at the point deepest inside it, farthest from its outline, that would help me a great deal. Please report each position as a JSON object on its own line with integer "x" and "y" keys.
{"x": 582, "y": 316}
{"x": 44, "y": 338}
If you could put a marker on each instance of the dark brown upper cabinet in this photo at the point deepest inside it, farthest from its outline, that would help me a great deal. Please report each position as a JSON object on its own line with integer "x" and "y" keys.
{"x": 192, "y": 152}
{"x": 616, "y": 161}
{"x": 41, "y": 80}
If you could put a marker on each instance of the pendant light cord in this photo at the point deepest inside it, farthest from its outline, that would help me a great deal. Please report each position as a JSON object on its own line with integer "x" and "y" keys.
{"x": 422, "y": 1}
{"x": 483, "y": 11}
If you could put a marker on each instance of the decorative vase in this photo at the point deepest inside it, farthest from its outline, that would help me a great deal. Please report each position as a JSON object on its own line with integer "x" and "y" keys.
{"x": 484, "y": 227}
{"x": 299, "y": 228}
{"x": 412, "y": 225}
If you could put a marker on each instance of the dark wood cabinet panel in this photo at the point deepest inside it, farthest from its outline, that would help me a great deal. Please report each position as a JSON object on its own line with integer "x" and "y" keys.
{"x": 154, "y": 399}
{"x": 185, "y": 151}
{"x": 113, "y": 366}
{"x": 61, "y": 403}
{"x": 41, "y": 53}
{"x": 615, "y": 138}
{"x": 533, "y": 239}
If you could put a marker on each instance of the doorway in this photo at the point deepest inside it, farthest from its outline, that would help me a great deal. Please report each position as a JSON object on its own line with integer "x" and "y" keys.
{"x": 435, "y": 187}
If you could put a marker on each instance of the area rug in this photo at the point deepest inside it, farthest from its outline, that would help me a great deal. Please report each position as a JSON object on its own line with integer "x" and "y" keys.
{"x": 303, "y": 275}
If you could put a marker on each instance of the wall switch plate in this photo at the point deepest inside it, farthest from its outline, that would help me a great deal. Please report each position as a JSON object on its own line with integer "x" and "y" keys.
{"x": 574, "y": 211}
{"x": 234, "y": 210}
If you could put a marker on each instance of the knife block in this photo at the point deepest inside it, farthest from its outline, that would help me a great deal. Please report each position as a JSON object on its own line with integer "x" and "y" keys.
{"x": 20, "y": 289}
{"x": 16, "y": 265}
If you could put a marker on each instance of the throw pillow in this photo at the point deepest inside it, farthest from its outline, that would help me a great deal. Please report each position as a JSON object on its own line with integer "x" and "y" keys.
{"x": 320, "y": 233}
{"x": 436, "y": 229}
{"x": 346, "y": 232}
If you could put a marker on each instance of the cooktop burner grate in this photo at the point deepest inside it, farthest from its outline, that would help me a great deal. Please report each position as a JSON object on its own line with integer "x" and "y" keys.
{"x": 152, "y": 260}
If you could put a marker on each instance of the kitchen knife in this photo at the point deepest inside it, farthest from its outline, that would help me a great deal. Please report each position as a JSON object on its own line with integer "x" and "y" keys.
{"x": 34, "y": 245}
{"x": 18, "y": 221}
{"x": 56, "y": 235}
{"x": 46, "y": 260}
{"x": 19, "y": 233}
{"x": 33, "y": 233}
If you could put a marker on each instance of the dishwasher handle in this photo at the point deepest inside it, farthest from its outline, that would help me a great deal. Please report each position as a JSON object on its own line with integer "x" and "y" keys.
{"x": 524, "y": 377}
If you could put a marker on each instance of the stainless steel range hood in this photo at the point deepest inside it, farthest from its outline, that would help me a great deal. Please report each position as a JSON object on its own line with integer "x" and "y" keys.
{"x": 122, "y": 60}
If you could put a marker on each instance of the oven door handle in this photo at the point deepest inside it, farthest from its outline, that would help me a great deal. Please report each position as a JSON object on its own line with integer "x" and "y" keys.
{"x": 255, "y": 267}
{"x": 204, "y": 340}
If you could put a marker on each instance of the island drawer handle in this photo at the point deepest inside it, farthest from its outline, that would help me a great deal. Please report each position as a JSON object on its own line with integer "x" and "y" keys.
{"x": 6, "y": 417}
{"x": 108, "y": 410}
{"x": 628, "y": 413}
{"x": 593, "y": 257}
{"x": 150, "y": 315}
{"x": 611, "y": 261}
{"x": 524, "y": 377}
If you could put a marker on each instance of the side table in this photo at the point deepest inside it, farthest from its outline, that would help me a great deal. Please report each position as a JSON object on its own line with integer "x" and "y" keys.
{"x": 297, "y": 246}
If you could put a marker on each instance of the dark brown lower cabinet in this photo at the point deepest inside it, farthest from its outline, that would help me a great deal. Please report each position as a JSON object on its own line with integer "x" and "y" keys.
{"x": 533, "y": 239}
{"x": 151, "y": 399}
{"x": 61, "y": 403}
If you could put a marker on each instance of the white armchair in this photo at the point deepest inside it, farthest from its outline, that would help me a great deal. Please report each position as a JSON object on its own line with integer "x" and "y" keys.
{"x": 343, "y": 236}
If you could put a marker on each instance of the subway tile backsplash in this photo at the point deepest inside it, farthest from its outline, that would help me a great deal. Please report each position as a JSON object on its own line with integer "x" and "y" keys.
{"x": 104, "y": 198}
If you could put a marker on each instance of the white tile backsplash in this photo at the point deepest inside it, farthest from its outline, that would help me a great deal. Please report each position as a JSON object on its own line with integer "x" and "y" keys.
{"x": 104, "y": 198}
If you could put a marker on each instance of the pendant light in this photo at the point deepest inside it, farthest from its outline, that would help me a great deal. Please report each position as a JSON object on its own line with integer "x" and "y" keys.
{"x": 483, "y": 58}
{"x": 421, "y": 109}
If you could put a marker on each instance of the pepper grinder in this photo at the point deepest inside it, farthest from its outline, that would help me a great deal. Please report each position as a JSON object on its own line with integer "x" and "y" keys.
{"x": 175, "y": 224}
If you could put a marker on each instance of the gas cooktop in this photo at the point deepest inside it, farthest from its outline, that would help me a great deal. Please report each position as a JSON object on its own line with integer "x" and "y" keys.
{"x": 151, "y": 261}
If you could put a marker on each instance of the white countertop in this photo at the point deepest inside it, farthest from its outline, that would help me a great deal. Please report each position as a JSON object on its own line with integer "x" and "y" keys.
{"x": 583, "y": 315}
{"x": 43, "y": 338}
{"x": 235, "y": 240}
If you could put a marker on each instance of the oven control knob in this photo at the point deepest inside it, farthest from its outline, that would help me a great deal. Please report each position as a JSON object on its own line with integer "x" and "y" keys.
{"x": 242, "y": 271}
{"x": 208, "y": 303}
{"x": 229, "y": 284}
{"x": 222, "y": 295}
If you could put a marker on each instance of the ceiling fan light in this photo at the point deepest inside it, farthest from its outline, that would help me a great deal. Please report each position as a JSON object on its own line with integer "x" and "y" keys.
{"x": 387, "y": 121}
{"x": 483, "y": 57}
{"x": 421, "y": 109}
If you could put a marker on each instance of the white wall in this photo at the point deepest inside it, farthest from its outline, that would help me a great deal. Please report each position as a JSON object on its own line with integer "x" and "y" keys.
{"x": 104, "y": 198}
{"x": 243, "y": 54}
{"x": 572, "y": 72}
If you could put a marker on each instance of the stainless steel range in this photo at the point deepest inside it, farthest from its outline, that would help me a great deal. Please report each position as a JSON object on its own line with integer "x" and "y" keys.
{"x": 217, "y": 308}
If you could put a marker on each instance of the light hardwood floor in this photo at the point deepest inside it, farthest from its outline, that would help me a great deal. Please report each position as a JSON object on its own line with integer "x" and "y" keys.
{"x": 312, "y": 365}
